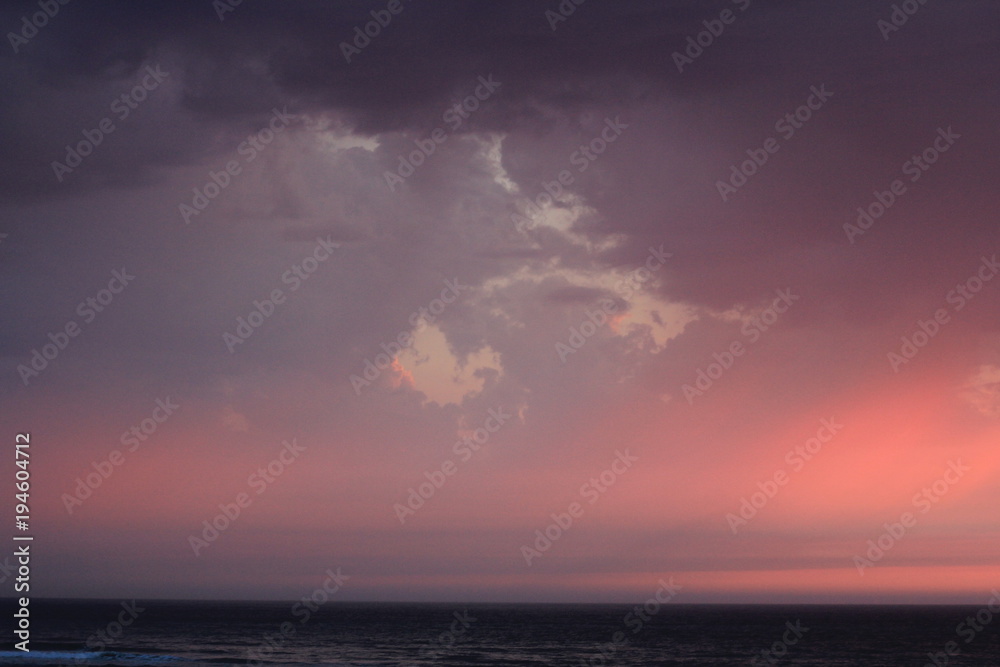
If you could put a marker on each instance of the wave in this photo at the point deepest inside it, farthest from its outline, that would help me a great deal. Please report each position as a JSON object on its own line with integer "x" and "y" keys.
{"x": 85, "y": 658}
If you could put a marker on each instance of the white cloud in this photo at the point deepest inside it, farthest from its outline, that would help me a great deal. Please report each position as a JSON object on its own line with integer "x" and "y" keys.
{"x": 982, "y": 391}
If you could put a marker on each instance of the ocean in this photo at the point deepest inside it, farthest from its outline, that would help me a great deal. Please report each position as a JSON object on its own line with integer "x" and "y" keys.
{"x": 192, "y": 634}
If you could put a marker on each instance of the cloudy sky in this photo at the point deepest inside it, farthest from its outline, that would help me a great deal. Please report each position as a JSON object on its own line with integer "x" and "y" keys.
{"x": 504, "y": 301}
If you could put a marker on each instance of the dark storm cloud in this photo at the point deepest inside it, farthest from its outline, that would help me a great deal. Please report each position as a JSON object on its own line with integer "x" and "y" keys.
{"x": 267, "y": 54}
{"x": 226, "y": 77}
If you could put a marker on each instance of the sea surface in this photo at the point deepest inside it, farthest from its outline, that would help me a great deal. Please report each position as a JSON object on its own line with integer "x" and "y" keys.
{"x": 193, "y": 634}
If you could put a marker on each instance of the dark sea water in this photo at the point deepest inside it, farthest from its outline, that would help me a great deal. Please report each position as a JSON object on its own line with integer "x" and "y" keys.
{"x": 192, "y": 634}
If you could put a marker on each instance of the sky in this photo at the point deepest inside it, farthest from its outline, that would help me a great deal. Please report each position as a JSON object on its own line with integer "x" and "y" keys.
{"x": 518, "y": 301}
